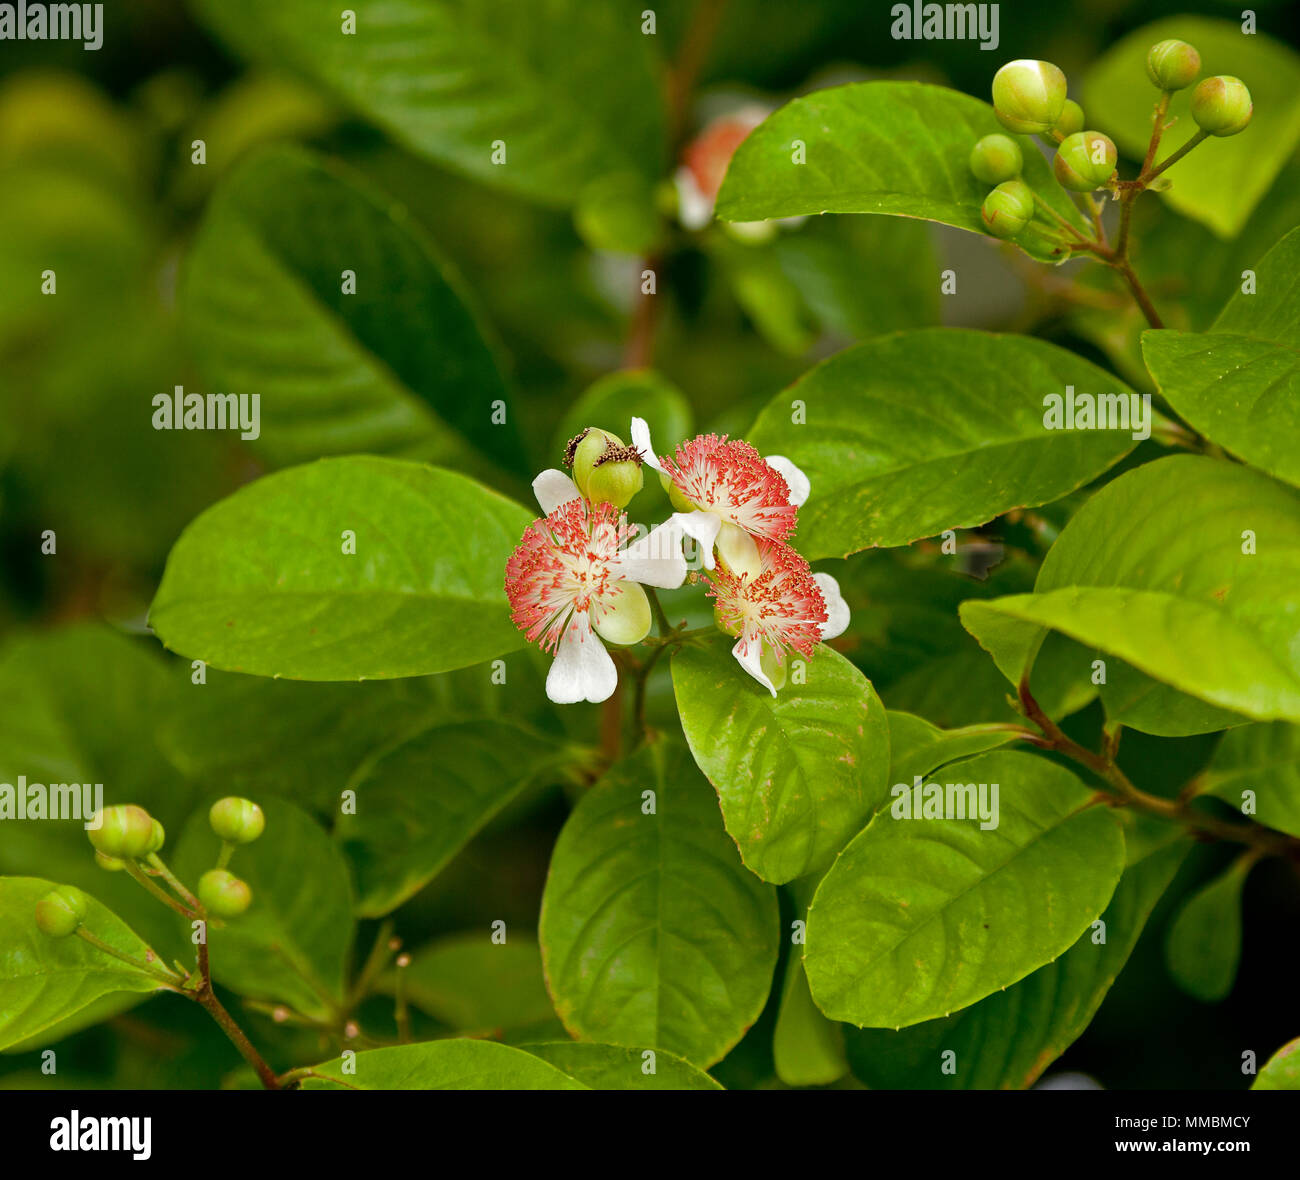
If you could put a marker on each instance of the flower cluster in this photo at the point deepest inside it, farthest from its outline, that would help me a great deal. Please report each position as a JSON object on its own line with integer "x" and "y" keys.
{"x": 1029, "y": 98}
{"x": 578, "y": 574}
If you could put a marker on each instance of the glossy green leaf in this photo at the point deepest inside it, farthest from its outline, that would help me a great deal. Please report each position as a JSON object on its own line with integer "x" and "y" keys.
{"x": 911, "y": 434}
{"x": 1007, "y": 1040}
{"x": 613, "y": 1067}
{"x": 1282, "y": 1070}
{"x": 568, "y": 88}
{"x": 1257, "y": 769}
{"x": 288, "y": 295}
{"x": 1119, "y": 99}
{"x": 440, "y": 1065}
{"x": 1239, "y": 383}
{"x": 916, "y": 747}
{"x": 874, "y": 147}
{"x": 918, "y": 918}
{"x": 44, "y": 980}
{"x": 474, "y": 984}
{"x": 653, "y": 932}
{"x": 797, "y": 774}
{"x": 419, "y": 803}
{"x": 1135, "y": 700}
{"x": 1203, "y": 943}
{"x": 260, "y": 583}
{"x": 1156, "y": 569}
{"x": 292, "y": 944}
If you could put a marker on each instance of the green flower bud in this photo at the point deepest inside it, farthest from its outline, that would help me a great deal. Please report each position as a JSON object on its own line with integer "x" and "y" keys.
{"x": 675, "y": 497}
{"x": 605, "y": 470}
{"x": 1008, "y": 209}
{"x": 157, "y": 838}
{"x": 224, "y": 894}
{"x": 238, "y": 820}
{"x": 996, "y": 158}
{"x": 1071, "y": 119}
{"x": 60, "y": 911}
{"x": 1085, "y": 161}
{"x": 1028, "y": 96}
{"x": 126, "y": 832}
{"x": 628, "y": 619}
{"x": 110, "y": 863}
{"x": 1222, "y": 105}
{"x": 1172, "y": 65}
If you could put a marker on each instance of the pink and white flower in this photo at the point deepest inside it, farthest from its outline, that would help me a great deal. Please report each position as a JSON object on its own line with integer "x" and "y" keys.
{"x": 786, "y": 607}
{"x": 733, "y": 496}
{"x": 574, "y": 579}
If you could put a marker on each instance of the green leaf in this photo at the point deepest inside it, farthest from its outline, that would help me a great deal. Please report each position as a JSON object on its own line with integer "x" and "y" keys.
{"x": 421, "y": 802}
{"x": 653, "y": 932}
{"x": 339, "y": 373}
{"x": 1119, "y": 99}
{"x": 473, "y": 984}
{"x": 921, "y": 917}
{"x": 1134, "y": 700}
{"x": 875, "y": 147}
{"x": 1282, "y": 1070}
{"x": 259, "y": 582}
{"x": 45, "y": 980}
{"x": 1007, "y": 1040}
{"x": 1263, "y": 759}
{"x": 1152, "y": 570}
{"x": 797, "y": 774}
{"x": 908, "y": 435}
{"x": 916, "y": 747}
{"x": 862, "y": 276}
{"x": 612, "y": 1067}
{"x": 1239, "y": 384}
{"x": 248, "y": 735}
{"x": 292, "y": 944}
{"x": 569, "y": 88}
{"x": 1203, "y": 943}
{"x": 440, "y": 1065}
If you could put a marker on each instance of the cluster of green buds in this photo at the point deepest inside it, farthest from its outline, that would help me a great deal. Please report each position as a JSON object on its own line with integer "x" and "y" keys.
{"x": 605, "y": 469}
{"x": 129, "y": 838}
{"x": 1029, "y": 98}
{"x": 1221, "y": 105}
{"x": 236, "y": 821}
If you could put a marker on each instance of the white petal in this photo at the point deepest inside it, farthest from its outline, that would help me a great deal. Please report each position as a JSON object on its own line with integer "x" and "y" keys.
{"x": 641, "y": 440}
{"x": 703, "y": 526}
{"x": 837, "y": 609}
{"x": 694, "y": 208}
{"x": 795, "y": 479}
{"x": 582, "y": 670}
{"x": 749, "y": 655}
{"x": 656, "y": 559}
{"x": 553, "y": 488}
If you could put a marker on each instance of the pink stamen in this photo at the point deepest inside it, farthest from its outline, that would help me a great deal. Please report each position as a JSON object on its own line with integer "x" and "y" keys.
{"x": 563, "y": 564}
{"x": 735, "y": 481}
